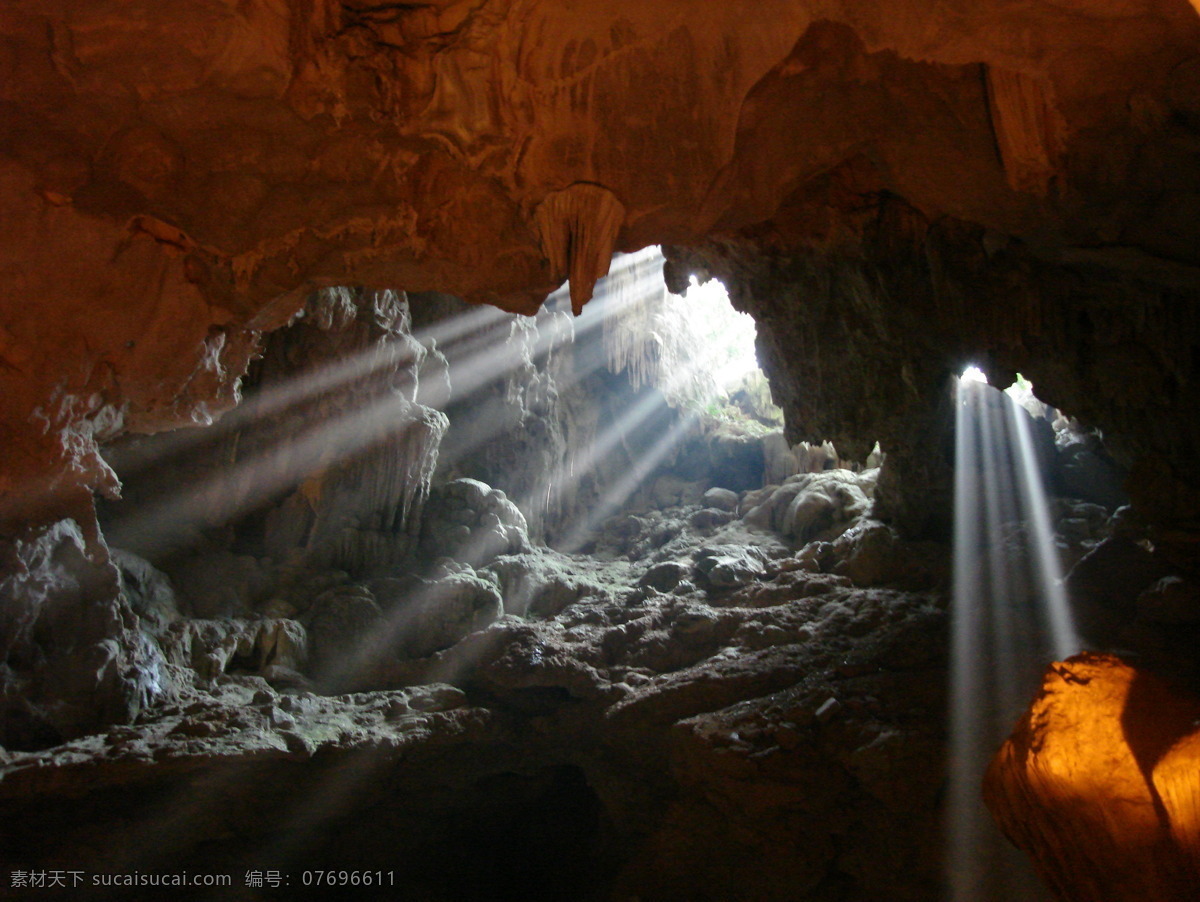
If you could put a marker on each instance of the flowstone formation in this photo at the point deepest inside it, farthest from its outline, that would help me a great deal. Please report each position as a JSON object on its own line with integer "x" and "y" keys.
{"x": 1099, "y": 783}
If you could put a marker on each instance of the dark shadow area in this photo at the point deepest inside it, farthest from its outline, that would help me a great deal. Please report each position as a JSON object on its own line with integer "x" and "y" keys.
{"x": 1154, "y": 719}
{"x": 294, "y": 831}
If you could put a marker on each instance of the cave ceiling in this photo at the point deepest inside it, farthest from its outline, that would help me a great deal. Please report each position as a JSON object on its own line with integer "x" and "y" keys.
{"x": 176, "y": 177}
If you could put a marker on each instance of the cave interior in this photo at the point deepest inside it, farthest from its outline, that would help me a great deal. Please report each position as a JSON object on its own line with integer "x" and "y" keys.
{"x": 548, "y": 449}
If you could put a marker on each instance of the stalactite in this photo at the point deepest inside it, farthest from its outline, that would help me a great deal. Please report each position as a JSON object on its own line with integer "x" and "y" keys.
{"x": 367, "y": 507}
{"x": 633, "y": 340}
{"x": 1029, "y": 129}
{"x": 653, "y": 336}
{"x": 577, "y": 228}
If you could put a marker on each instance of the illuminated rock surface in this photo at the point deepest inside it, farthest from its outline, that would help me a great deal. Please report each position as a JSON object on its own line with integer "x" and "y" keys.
{"x": 1100, "y": 783}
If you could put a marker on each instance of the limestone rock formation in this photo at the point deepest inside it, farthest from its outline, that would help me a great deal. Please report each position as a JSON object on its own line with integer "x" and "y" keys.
{"x": 523, "y": 411}
{"x": 578, "y": 229}
{"x": 813, "y": 505}
{"x": 1100, "y": 783}
{"x": 454, "y": 603}
{"x": 196, "y": 190}
{"x": 76, "y": 655}
{"x": 728, "y": 699}
{"x": 470, "y": 521}
{"x": 211, "y": 647}
{"x": 331, "y": 459}
{"x": 757, "y": 708}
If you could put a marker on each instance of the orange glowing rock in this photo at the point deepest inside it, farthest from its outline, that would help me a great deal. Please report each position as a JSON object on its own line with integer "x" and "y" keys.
{"x": 1100, "y": 784}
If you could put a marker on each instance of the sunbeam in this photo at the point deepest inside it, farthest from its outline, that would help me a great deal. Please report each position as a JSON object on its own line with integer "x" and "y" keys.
{"x": 158, "y": 526}
{"x": 287, "y": 459}
{"x": 481, "y": 350}
{"x": 380, "y": 389}
{"x": 1009, "y": 618}
{"x": 563, "y": 477}
{"x": 629, "y": 483}
{"x": 275, "y": 399}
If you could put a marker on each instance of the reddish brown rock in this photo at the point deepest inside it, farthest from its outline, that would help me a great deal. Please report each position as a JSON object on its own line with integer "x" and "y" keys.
{"x": 176, "y": 177}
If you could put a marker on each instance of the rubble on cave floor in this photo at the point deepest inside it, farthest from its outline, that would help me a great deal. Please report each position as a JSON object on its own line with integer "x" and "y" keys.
{"x": 688, "y": 647}
{"x": 750, "y": 689}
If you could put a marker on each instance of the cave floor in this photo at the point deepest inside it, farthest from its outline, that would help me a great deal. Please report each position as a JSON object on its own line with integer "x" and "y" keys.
{"x": 713, "y": 712}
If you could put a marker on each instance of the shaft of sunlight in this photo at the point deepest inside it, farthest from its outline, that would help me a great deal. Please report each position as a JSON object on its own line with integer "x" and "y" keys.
{"x": 279, "y": 398}
{"x": 629, "y": 483}
{"x": 963, "y": 824}
{"x": 1033, "y": 493}
{"x": 1009, "y": 618}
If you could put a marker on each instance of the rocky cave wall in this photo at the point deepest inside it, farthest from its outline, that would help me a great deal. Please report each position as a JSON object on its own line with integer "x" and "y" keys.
{"x": 741, "y": 697}
{"x": 330, "y": 459}
{"x": 862, "y": 342}
{"x": 893, "y": 192}
{"x": 322, "y": 474}
{"x": 489, "y": 151}
{"x": 327, "y": 464}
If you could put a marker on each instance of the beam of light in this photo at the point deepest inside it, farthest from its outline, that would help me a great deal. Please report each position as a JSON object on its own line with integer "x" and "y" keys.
{"x": 1009, "y": 614}
{"x": 289, "y": 458}
{"x": 569, "y": 472}
{"x": 488, "y": 358}
{"x": 249, "y": 483}
{"x": 481, "y": 355}
{"x": 633, "y": 279}
{"x": 472, "y": 429}
{"x": 467, "y": 339}
{"x": 1033, "y": 494}
{"x": 493, "y": 358}
{"x": 280, "y": 466}
{"x": 963, "y": 826}
{"x": 477, "y": 360}
{"x": 610, "y": 302}
{"x": 642, "y": 467}
{"x": 279, "y": 397}
{"x": 564, "y": 478}
{"x": 646, "y": 281}
{"x": 1003, "y": 582}
{"x": 499, "y": 355}
{"x": 628, "y": 484}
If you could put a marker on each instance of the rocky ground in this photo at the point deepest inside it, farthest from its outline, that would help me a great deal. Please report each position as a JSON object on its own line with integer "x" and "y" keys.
{"x": 741, "y": 698}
